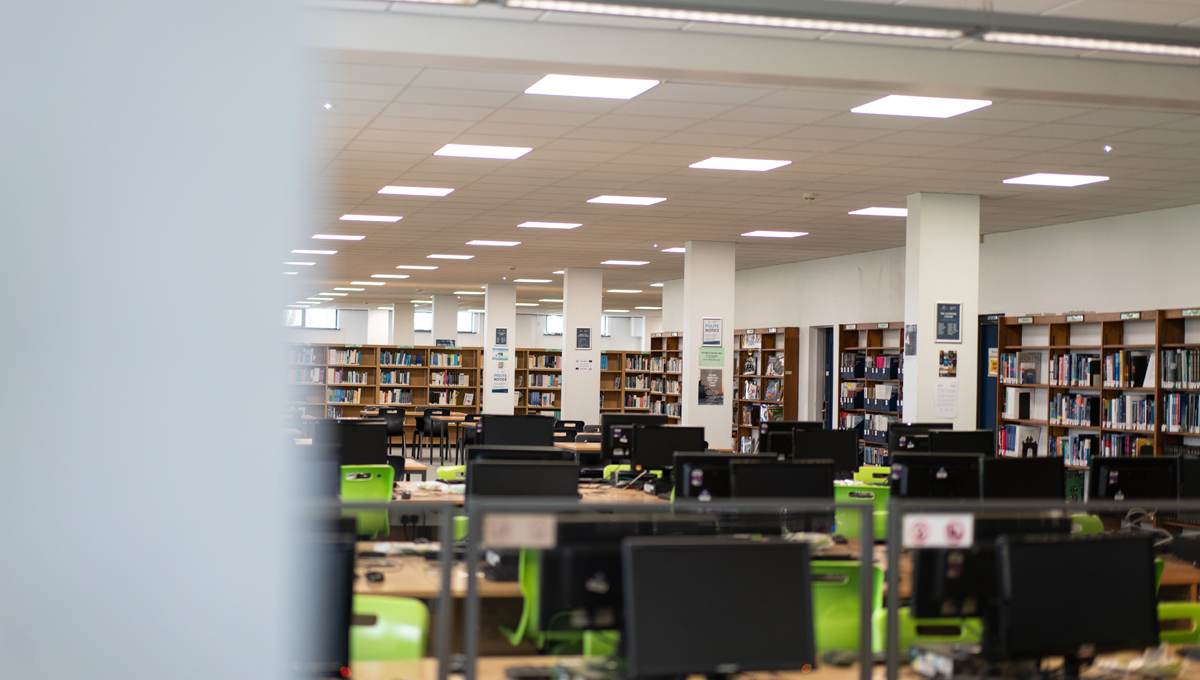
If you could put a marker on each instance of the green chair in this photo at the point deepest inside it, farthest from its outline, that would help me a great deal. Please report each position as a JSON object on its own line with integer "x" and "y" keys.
{"x": 1159, "y": 565}
{"x": 399, "y": 632}
{"x": 1087, "y": 524}
{"x": 368, "y": 484}
{"x": 873, "y": 474}
{"x": 836, "y": 605}
{"x": 1180, "y": 611}
{"x": 452, "y": 473}
{"x": 460, "y": 528}
{"x": 601, "y": 642}
{"x": 849, "y": 522}
{"x": 610, "y": 469}
{"x": 529, "y": 572}
{"x": 969, "y": 630}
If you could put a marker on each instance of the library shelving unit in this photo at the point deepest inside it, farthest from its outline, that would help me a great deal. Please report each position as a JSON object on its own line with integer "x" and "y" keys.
{"x": 612, "y": 382}
{"x": 1079, "y": 386}
{"x": 331, "y": 381}
{"x": 539, "y": 382}
{"x": 636, "y": 380}
{"x": 766, "y": 382}
{"x": 666, "y": 368}
{"x": 870, "y": 383}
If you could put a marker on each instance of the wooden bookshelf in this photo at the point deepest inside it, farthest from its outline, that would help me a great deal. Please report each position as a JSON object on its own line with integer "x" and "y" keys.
{"x": 862, "y": 346}
{"x": 539, "y": 379}
{"x": 766, "y": 380}
{"x": 666, "y": 357}
{"x": 1091, "y": 342}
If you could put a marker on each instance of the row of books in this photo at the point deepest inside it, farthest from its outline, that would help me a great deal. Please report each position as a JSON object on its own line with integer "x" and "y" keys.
{"x": 445, "y": 359}
{"x": 637, "y": 401}
{"x": 637, "y": 363}
{"x": 665, "y": 386}
{"x": 451, "y": 398}
{"x": 774, "y": 365}
{"x": 545, "y": 380}
{"x": 1075, "y": 370}
{"x": 851, "y": 390}
{"x": 875, "y": 455}
{"x": 350, "y": 357}
{"x": 773, "y": 391}
{"x": 1126, "y": 445}
{"x": 304, "y": 355}
{"x": 1129, "y": 412}
{"x": 389, "y": 357}
{"x": 336, "y": 395}
{"x": 884, "y": 391}
{"x": 851, "y": 364}
{"x": 404, "y": 397}
{"x": 849, "y": 421}
{"x": 667, "y": 408}
{"x": 446, "y": 378}
{"x": 338, "y": 376}
{"x": 1075, "y": 409}
{"x": 1021, "y": 368}
{"x": 751, "y": 416}
{"x": 307, "y": 375}
{"x": 1129, "y": 368}
{"x": 1019, "y": 441}
{"x": 665, "y": 365}
{"x": 1181, "y": 412}
{"x": 333, "y": 412}
{"x": 545, "y": 361}
{"x": 542, "y": 398}
{"x": 395, "y": 378}
{"x": 637, "y": 382}
{"x": 1076, "y": 449}
{"x": 875, "y": 426}
{"x": 1181, "y": 369}
{"x": 1017, "y": 404}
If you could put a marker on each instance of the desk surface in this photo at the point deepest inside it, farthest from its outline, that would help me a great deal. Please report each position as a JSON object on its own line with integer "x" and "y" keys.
{"x": 578, "y": 446}
{"x": 452, "y": 418}
{"x": 492, "y": 668}
{"x": 591, "y": 494}
{"x": 415, "y": 576}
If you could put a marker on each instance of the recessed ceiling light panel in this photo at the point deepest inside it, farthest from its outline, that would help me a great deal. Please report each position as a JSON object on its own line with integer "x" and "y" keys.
{"x": 629, "y": 263}
{"x": 506, "y": 153}
{"x": 416, "y": 266}
{"x": 389, "y": 276}
{"x": 619, "y": 311}
{"x": 300, "y": 264}
{"x": 370, "y": 218}
{"x": 549, "y": 300}
{"x": 366, "y": 283}
{"x": 527, "y": 304}
{"x": 674, "y": 250}
{"x": 1050, "y": 179}
{"x": 881, "y": 212}
{"x": 468, "y": 292}
{"x": 627, "y": 200}
{"x": 920, "y": 107}
{"x": 656, "y": 285}
{"x": 505, "y": 244}
{"x": 315, "y": 252}
{"x": 743, "y": 164}
{"x": 589, "y": 86}
{"x": 338, "y": 237}
{"x": 647, "y": 307}
{"x": 357, "y": 290}
{"x": 533, "y": 280}
{"x": 415, "y": 191}
{"x": 438, "y": 256}
{"x": 549, "y": 225}
{"x": 623, "y": 290}
{"x": 762, "y": 233}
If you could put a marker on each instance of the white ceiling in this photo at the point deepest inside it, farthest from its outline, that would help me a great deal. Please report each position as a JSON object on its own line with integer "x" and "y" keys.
{"x": 388, "y": 118}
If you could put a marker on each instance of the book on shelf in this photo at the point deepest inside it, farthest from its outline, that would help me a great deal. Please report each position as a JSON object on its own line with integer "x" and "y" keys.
{"x": 339, "y": 376}
{"x": 337, "y": 395}
{"x": 1181, "y": 412}
{"x": 1129, "y": 412}
{"x": 746, "y": 444}
{"x": 1181, "y": 369}
{"x": 444, "y": 359}
{"x": 1075, "y": 370}
{"x": 1029, "y": 364}
{"x": 1020, "y": 441}
{"x": 1075, "y": 409}
{"x": 769, "y": 413}
{"x": 469, "y": 399}
{"x": 851, "y": 365}
{"x": 1076, "y": 449}
{"x": 304, "y": 355}
{"x": 849, "y": 421}
{"x": 1181, "y": 450}
{"x": 393, "y": 396}
{"x": 750, "y": 366}
{"x": 637, "y": 363}
{"x": 875, "y": 455}
{"x": 749, "y": 389}
{"x": 751, "y": 417}
{"x": 774, "y": 365}
{"x": 333, "y": 412}
{"x": 774, "y": 390}
{"x": 1116, "y": 444}
{"x": 1129, "y": 368}
{"x": 348, "y": 357}
{"x": 312, "y": 376}
{"x": 603, "y": 362}
{"x": 389, "y": 357}
{"x": 1017, "y": 403}
{"x": 752, "y": 341}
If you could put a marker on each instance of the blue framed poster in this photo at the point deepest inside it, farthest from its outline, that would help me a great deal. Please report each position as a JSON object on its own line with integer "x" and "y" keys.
{"x": 949, "y": 322}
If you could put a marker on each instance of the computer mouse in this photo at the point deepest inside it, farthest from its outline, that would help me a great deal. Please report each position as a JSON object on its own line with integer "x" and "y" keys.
{"x": 405, "y": 495}
{"x": 374, "y": 576}
{"x": 840, "y": 539}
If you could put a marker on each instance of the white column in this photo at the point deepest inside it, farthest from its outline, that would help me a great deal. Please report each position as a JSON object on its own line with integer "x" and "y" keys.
{"x": 942, "y": 266}
{"x": 708, "y": 278}
{"x": 672, "y": 306}
{"x": 445, "y": 318}
{"x": 499, "y": 314}
{"x": 402, "y": 323}
{"x": 582, "y": 298}
{"x": 379, "y": 326}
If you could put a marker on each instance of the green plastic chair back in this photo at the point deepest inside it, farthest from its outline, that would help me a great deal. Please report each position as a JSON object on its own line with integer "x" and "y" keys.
{"x": 1180, "y": 611}
{"x": 873, "y": 474}
{"x": 452, "y": 473}
{"x": 1159, "y": 565}
{"x": 368, "y": 484}
{"x": 610, "y": 469}
{"x": 836, "y": 605}
{"x": 601, "y": 642}
{"x": 968, "y": 630}
{"x": 460, "y": 528}
{"x": 1087, "y": 524}
{"x": 528, "y": 574}
{"x": 849, "y": 522}
{"x": 400, "y": 631}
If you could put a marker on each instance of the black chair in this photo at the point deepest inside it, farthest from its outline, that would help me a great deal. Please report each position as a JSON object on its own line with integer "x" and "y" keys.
{"x": 588, "y": 438}
{"x": 565, "y": 430}
{"x": 591, "y": 428}
{"x": 466, "y": 436}
{"x": 429, "y": 428}
{"x": 394, "y": 417}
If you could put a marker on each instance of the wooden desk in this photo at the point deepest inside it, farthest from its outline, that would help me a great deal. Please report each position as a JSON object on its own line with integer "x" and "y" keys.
{"x": 578, "y": 446}
{"x": 591, "y": 494}
{"x": 1176, "y": 572}
{"x": 492, "y": 668}
{"x": 415, "y": 576}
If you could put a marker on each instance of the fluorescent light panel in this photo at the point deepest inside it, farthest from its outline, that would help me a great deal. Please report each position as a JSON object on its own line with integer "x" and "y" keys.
{"x": 560, "y": 272}
{"x": 437, "y": 256}
{"x": 366, "y": 283}
{"x": 630, "y": 263}
{"x": 920, "y": 107}
{"x": 1099, "y": 44}
{"x": 421, "y": 302}
{"x": 881, "y": 212}
{"x": 507, "y": 153}
{"x": 417, "y": 266}
{"x": 742, "y": 164}
{"x": 320, "y": 299}
{"x": 301, "y": 264}
{"x": 627, "y": 200}
{"x": 580, "y": 6}
{"x": 674, "y": 250}
{"x": 589, "y": 86}
{"x": 415, "y": 191}
{"x": 533, "y": 280}
{"x": 623, "y": 290}
{"x": 549, "y": 225}
{"x": 528, "y": 304}
{"x": 619, "y": 311}
{"x": 370, "y": 218}
{"x": 291, "y": 272}
{"x": 647, "y": 307}
{"x": 549, "y": 300}
{"x": 335, "y": 294}
{"x": 315, "y": 252}
{"x": 1050, "y": 179}
{"x": 468, "y": 292}
{"x": 338, "y": 237}
{"x": 356, "y": 290}
{"x": 504, "y": 244}
{"x": 763, "y": 233}
{"x": 389, "y": 276}
{"x": 656, "y": 285}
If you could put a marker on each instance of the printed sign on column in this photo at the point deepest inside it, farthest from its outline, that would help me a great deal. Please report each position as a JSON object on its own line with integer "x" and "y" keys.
{"x": 938, "y": 530}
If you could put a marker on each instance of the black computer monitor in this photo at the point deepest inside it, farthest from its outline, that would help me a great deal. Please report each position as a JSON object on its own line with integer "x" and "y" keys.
{"x": 490, "y": 452}
{"x": 704, "y": 476}
{"x": 356, "y": 442}
{"x": 522, "y": 478}
{"x": 840, "y": 446}
{"x": 781, "y": 478}
{"x": 1055, "y": 599}
{"x": 1134, "y": 478}
{"x": 653, "y": 447}
{"x": 912, "y": 436}
{"x": 1024, "y": 478}
{"x": 679, "y": 602}
{"x": 944, "y": 475}
{"x": 619, "y": 441}
{"x": 515, "y": 430}
{"x": 779, "y": 442}
{"x": 768, "y": 426}
{"x": 331, "y": 546}
{"x": 982, "y": 442}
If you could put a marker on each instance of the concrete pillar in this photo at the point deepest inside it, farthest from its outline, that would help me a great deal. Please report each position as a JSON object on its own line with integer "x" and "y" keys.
{"x": 402, "y": 323}
{"x": 672, "y": 307}
{"x": 499, "y": 358}
{"x": 942, "y": 268}
{"x": 445, "y": 318}
{"x": 582, "y": 297}
{"x": 708, "y": 279}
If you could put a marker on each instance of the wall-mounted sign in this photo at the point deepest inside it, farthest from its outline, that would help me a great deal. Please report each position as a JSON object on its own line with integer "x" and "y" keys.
{"x": 1126, "y": 316}
{"x": 443, "y": 342}
{"x": 501, "y": 336}
{"x": 1025, "y": 319}
{"x": 711, "y": 332}
{"x": 583, "y": 338}
{"x": 1073, "y": 318}
{"x": 712, "y": 356}
{"x": 949, "y": 322}
{"x": 910, "y": 340}
{"x": 712, "y": 387}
